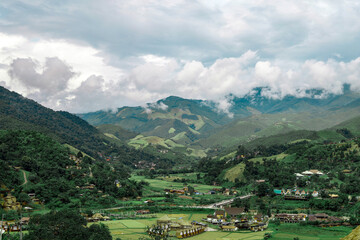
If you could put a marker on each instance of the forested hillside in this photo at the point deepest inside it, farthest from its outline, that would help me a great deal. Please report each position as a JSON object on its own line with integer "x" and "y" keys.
{"x": 195, "y": 127}
{"x": 19, "y": 113}
{"x": 56, "y": 179}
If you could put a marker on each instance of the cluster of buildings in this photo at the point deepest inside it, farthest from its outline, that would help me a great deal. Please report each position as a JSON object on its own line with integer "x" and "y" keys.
{"x": 233, "y": 219}
{"x": 178, "y": 191}
{"x": 296, "y": 194}
{"x": 145, "y": 165}
{"x": 322, "y": 218}
{"x": 309, "y": 173}
{"x": 9, "y": 202}
{"x": 14, "y": 226}
{"x": 183, "y": 229}
{"x": 95, "y": 217}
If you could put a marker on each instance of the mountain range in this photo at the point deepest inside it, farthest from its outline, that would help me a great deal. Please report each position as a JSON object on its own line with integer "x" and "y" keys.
{"x": 194, "y": 127}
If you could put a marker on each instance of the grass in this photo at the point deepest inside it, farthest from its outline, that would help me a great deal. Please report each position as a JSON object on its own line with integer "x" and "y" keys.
{"x": 238, "y": 170}
{"x": 229, "y": 156}
{"x": 135, "y": 229}
{"x": 141, "y": 141}
{"x": 187, "y": 176}
{"x": 290, "y": 231}
{"x": 75, "y": 151}
{"x": 196, "y": 152}
{"x": 235, "y": 172}
{"x": 111, "y": 136}
{"x": 160, "y": 185}
{"x": 179, "y": 136}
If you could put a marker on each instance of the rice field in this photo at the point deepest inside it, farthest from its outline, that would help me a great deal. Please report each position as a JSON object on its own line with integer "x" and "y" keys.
{"x": 135, "y": 229}
{"x": 291, "y": 231}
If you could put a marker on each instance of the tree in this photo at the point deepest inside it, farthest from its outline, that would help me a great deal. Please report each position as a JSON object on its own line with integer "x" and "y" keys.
{"x": 263, "y": 189}
{"x": 99, "y": 232}
{"x": 63, "y": 224}
{"x": 191, "y": 190}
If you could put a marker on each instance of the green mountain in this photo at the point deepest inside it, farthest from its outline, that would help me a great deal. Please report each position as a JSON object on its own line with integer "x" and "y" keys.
{"x": 172, "y": 112}
{"x": 32, "y": 162}
{"x": 196, "y": 125}
{"x": 116, "y": 132}
{"x": 19, "y": 113}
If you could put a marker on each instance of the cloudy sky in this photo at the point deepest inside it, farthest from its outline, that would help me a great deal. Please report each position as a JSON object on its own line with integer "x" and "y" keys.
{"x": 86, "y": 55}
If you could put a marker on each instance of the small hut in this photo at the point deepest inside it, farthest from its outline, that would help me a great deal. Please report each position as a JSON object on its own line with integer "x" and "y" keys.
{"x": 184, "y": 224}
{"x": 97, "y": 217}
{"x": 164, "y": 220}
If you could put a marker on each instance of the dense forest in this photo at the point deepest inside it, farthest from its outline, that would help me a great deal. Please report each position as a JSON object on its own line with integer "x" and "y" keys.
{"x": 54, "y": 177}
{"x": 19, "y": 113}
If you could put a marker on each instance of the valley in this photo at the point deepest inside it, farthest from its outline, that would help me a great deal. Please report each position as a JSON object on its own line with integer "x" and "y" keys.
{"x": 280, "y": 169}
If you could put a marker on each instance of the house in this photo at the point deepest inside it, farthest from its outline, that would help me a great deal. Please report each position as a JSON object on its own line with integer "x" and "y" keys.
{"x": 31, "y": 195}
{"x": 258, "y": 227}
{"x": 323, "y": 217}
{"x": 230, "y": 228}
{"x": 209, "y": 218}
{"x": 333, "y": 195}
{"x": 95, "y": 218}
{"x": 234, "y": 212}
{"x": 278, "y": 192}
{"x": 307, "y": 173}
{"x": 316, "y": 172}
{"x": 164, "y": 220}
{"x": 219, "y": 214}
{"x": 315, "y": 194}
{"x": 346, "y": 171}
{"x": 147, "y": 211}
{"x": 24, "y": 220}
{"x": 10, "y": 203}
{"x": 184, "y": 224}
{"x": 226, "y": 192}
{"x": 291, "y": 218}
{"x": 258, "y": 217}
{"x": 260, "y": 181}
{"x": 299, "y": 175}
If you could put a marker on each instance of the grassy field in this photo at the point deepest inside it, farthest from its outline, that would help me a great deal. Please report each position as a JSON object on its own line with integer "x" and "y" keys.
{"x": 186, "y": 176}
{"x": 238, "y": 170}
{"x": 290, "y": 231}
{"x": 160, "y": 185}
{"x": 135, "y": 229}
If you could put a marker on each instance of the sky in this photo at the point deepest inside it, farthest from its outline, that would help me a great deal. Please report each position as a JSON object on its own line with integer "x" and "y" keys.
{"x": 87, "y": 55}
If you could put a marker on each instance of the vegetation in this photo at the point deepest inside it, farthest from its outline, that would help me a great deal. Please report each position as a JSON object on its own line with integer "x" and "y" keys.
{"x": 69, "y": 164}
{"x": 56, "y": 179}
{"x": 65, "y": 224}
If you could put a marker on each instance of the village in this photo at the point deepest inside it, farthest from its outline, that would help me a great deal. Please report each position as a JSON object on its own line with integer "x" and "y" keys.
{"x": 216, "y": 217}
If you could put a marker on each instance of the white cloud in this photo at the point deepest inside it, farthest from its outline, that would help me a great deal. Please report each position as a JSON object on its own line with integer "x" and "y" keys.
{"x": 167, "y": 50}
{"x": 68, "y": 83}
{"x": 156, "y": 105}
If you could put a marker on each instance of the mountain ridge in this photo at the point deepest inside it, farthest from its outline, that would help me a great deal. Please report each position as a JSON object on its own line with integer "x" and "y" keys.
{"x": 200, "y": 124}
